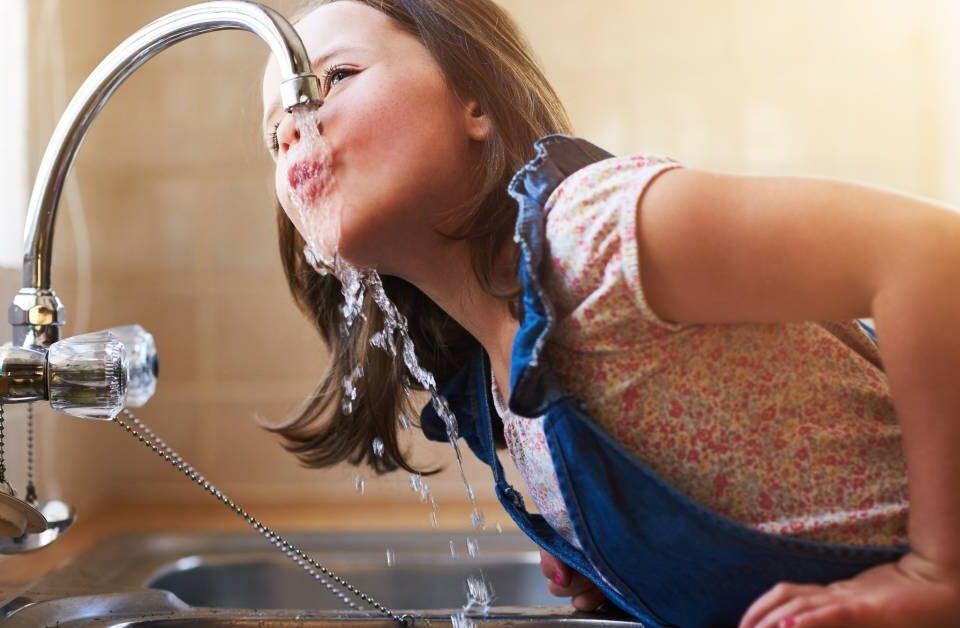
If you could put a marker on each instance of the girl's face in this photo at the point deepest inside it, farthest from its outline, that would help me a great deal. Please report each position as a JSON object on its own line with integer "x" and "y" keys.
{"x": 402, "y": 145}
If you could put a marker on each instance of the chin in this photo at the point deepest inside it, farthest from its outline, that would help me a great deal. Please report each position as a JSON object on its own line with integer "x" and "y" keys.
{"x": 357, "y": 256}
{"x": 362, "y": 245}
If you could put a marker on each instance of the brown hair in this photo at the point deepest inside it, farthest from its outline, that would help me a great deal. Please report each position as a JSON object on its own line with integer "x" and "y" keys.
{"x": 482, "y": 55}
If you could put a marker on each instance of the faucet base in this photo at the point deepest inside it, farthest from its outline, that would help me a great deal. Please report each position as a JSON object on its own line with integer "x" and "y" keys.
{"x": 36, "y": 317}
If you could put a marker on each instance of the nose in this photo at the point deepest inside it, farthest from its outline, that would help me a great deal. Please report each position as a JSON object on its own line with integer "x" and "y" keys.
{"x": 287, "y": 133}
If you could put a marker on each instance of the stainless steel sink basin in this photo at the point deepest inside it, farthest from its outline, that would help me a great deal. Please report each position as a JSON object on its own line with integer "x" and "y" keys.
{"x": 206, "y": 580}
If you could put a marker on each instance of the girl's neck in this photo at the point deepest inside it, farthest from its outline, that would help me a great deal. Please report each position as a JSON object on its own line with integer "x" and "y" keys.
{"x": 448, "y": 279}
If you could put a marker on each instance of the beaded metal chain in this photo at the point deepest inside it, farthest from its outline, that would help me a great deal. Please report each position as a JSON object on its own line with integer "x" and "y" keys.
{"x": 320, "y": 573}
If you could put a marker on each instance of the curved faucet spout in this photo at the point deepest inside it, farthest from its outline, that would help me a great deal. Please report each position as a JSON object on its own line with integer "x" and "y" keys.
{"x": 36, "y": 312}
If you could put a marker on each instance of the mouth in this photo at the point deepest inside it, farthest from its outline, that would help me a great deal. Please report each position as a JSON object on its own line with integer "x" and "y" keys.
{"x": 308, "y": 179}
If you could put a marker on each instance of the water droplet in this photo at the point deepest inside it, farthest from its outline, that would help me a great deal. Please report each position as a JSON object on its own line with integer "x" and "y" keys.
{"x": 391, "y": 558}
{"x": 453, "y": 549}
{"x": 477, "y": 519}
{"x": 472, "y": 547}
{"x": 499, "y": 528}
{"x": 359, "y": 484}
{"x": 415, "y": 480}
{"x": 405, "y": 422}
{"x": 377, "y": 447}
{"x": 434, "y": 519}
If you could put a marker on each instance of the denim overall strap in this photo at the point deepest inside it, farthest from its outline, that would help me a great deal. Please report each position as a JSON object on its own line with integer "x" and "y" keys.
{"x": 534, "y": 526}
{"x": 557, "y": 157}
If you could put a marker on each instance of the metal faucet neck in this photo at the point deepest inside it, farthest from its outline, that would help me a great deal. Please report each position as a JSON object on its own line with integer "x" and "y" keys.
{"x": 36, "y": 313}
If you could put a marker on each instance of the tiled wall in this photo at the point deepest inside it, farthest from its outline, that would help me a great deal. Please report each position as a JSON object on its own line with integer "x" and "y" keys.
{"x": 176, "y": 198}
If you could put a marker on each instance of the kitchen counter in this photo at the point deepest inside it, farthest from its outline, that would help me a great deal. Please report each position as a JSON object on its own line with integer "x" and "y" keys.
{"x": 18, "y": 571}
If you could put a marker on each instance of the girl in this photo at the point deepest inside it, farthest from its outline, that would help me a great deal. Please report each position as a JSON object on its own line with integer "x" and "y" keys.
{"x": 639, "y": 335}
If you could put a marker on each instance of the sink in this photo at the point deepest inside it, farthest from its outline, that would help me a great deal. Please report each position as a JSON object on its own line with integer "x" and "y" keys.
{"x": 204, "y": 580}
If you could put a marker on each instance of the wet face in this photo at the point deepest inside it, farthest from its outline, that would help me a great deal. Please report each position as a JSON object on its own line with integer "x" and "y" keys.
{"x": 402, "y": 145}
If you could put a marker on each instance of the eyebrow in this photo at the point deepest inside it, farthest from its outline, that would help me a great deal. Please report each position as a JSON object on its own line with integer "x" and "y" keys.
{"x": 319, "y": 62}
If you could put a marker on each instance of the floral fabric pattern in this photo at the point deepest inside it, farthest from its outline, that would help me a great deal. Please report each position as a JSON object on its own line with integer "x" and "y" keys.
{"x": 527, "y": 445}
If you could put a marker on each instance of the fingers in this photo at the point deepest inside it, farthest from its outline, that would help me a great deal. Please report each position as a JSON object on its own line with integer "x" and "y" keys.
{"x": 577, "y": 584}
{"x": 553, "y": 569}
{"x": 787, "y": 615}
{"x": 773, "y": 600}
{"x": 564, "y": 581}
{"x": 567, "y": 582}
{"x": 589, "y": 601}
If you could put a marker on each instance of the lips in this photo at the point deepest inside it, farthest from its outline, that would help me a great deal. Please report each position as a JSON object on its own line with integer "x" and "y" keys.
{"x": 303, "y": 171}
{"x": 308, "y": 179}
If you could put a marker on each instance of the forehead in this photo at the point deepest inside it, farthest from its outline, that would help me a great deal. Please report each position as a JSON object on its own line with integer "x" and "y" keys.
{"x": 330, "y": 27}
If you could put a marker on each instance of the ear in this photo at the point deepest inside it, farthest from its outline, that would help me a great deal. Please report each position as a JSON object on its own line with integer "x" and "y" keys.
{"x": 477, "y": 122}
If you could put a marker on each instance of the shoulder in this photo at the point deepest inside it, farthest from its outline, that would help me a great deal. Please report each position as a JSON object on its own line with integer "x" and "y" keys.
{"x": 591, "y": 232}
{"x": 596, "y": 206}
{"x": 614, "y": 179}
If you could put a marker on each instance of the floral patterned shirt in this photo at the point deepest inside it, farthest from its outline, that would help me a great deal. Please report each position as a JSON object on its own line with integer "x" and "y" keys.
{"x": 788, "y": 428}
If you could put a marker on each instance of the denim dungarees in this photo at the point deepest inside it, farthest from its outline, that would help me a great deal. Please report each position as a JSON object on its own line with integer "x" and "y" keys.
{"x": 653, "y": 551}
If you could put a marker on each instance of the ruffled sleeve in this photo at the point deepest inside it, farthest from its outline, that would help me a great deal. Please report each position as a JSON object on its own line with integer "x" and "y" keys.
{"x": 594, "y": 274}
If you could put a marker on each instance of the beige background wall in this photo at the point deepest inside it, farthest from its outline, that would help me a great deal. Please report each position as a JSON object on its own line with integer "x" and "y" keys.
{"x": 177, "y": 233}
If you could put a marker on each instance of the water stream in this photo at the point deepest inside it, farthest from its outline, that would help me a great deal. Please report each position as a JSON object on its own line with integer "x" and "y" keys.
{"x": 319, "y": 208}
{"x": 319, "y": 211}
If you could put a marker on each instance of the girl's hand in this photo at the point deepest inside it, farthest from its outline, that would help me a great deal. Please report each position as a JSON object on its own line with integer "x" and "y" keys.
{"x": 566, "y": 582}
{"x": 911, "y": 592}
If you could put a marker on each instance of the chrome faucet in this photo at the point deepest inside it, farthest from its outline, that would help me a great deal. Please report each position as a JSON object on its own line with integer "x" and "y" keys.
{"x": 96, "y": 375}
{"x": 36, "y": 313}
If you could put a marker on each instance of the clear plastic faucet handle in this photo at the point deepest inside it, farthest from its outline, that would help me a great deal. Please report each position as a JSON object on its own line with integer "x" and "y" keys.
{"x": 142, "y": 363}
{"x": 87, "y": 376}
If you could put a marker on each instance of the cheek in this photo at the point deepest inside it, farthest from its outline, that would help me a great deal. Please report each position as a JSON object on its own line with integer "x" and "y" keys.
{"x": 391, "y": 122}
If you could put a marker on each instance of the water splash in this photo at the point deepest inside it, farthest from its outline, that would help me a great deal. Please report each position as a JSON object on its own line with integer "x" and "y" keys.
{"x": 453, "y": 549}
{"x": 460, "y": 620}
{"x": 499, "y": 528}
{"x": 359, "y": 485}
{"x": 391, "y": 558}
{"x": 377, "y": 446}
{"x": 479, "y": 595}
{"x": 473, "y": 547}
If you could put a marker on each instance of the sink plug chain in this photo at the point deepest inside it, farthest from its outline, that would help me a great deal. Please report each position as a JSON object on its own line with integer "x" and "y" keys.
{"x": 31, "y": 494}
{"x": 3, "y": 466}
{"x": 146, "y": 436}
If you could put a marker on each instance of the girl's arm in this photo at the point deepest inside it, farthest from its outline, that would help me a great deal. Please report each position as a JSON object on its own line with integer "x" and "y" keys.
{"x": 718, "y": 248}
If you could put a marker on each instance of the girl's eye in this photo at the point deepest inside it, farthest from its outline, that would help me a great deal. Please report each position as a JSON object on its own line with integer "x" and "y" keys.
{"x": 272, "y": 142}
{"x": 334, "y": 75}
